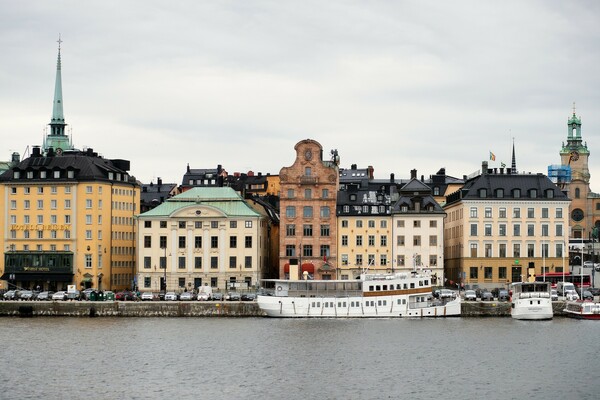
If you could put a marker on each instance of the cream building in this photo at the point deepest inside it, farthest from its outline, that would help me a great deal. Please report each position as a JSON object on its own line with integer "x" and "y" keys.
{"x": 204, "y": 236}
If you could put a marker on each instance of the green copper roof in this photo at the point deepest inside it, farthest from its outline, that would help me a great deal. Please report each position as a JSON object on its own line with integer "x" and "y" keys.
{"x": 224, "y": 199}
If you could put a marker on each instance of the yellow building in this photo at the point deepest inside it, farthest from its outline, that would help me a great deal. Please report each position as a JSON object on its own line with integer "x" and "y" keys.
{"x": 67, "y": 215}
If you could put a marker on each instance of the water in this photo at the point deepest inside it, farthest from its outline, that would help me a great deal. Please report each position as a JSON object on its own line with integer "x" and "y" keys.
{"x": 259, "y": 358}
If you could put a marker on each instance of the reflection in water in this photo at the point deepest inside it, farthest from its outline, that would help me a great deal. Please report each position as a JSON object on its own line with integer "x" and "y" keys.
{"x": 259, "y": 358}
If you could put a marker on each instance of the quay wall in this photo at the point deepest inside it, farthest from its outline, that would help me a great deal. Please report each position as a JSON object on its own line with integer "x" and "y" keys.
{"x": 194, "y": 309}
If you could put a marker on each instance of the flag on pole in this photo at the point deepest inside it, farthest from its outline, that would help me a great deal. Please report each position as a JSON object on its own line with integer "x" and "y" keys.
{"x": 492, "y": 156}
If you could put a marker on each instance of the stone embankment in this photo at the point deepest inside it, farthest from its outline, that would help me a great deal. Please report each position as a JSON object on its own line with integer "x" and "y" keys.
{"x": 193, "y": 309}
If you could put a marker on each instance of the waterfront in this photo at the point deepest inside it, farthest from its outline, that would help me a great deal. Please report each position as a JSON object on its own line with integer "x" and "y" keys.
{"x": 260, "y": 358}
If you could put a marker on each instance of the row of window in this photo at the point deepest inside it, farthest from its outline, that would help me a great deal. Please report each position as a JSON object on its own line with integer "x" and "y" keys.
{"x": 307, "y": 212}
{"x": 516, "y": 212}
{"x": 67, "y": 204}
{"x": 307, "y": 230}
{"x": 515, "y": 193}
{"x": 198, "y": 224}
{"x": 182, "y": 262}
{"x": 516, "y": 250}
{"x": 40, "y": 247}
{"x": 370, "y": 240}
{"x": 416, "y": 260}
{"x": 383, "y": 223}
{"x": 58, "y": 174}
{"x": 531, "y": 231}
{"x": 214, "y": 242}
{"x": 306, "y": 250}
{"x": 308, "y": 193}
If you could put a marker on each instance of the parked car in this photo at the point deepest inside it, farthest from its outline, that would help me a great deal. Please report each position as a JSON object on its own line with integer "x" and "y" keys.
{"x": 248, "y": 297}
{"x": 571, "y": 295}
{"x": 125, "y": 295}
{"x": 27, "y": 295}
{"x": 233, "y": 296}
{"x": 186, "y": 296}
{"x": 46, "y": 295}
{"x": 202, "y": 296}
{"x": 487, "y": 296}
{"x": 59, "y": 296}
{"x": 216, "y": 297}
{"x": 11, "y": 295}
{"x": 76, "y": 295}
{"x": 553, "y": 295}
{"x": 85, "y": 294}
{"x": 470, "y": 295}
{"x": 586, "y": 295}
{"x": 171, "y": 296}
{"x": 503, "y": 295}
{"x": 594, "y": 291}
{"x": 149, "y": 296}
{"x": 446, "y": 294}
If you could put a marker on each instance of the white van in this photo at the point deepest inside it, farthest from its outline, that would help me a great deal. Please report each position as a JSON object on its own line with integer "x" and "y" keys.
{"x": 562, "y": 287}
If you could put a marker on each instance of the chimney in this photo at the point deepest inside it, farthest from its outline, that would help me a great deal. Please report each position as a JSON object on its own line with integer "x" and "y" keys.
{"x": 353, "y": 166}
{"x": 159, "y": 181}
{"x": 413, "y": 174}
{"x": 370, "y": 169}
{"x": 484, "y": 168}
{"x": 392, "y": 177}
{"x": 422, "y": 178}
{"x": 16, "y": 157}
{"x": 188, "y": 168}
{"x": 35, "y": 151}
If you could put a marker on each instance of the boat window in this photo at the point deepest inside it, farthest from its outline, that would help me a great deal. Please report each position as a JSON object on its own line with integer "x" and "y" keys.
{"x": 426, "y": 282}
{"x": 399, "y": 301}
{"x": 370, "y": 288}
{"x": 420, "y": 283}
{"x": 377, "y": 288}
{"x": 405, "y": 286}
{"x": 318, "y": 304}
{"x": 384, "y": 287}
{"x": 379, "y": 303}
{"x": 385, "y": 302}
{"x": 326, "y": 304}
{"x": 412, "y": 285}
{"x": 398, "y": 286}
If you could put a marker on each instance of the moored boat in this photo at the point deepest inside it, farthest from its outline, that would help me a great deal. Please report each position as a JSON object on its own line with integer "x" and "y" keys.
{"x": 582, "y": 310}
{"x": 531, "y": 301}
{"x": 370, "y": 296}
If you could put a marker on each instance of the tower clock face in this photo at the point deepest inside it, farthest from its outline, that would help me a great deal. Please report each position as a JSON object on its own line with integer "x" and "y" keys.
{"x": 577, "y": 214}
{"x": 574, "y": 155}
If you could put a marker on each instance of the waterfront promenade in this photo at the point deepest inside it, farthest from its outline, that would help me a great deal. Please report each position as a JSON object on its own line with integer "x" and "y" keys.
{"x": 195, "y": 309}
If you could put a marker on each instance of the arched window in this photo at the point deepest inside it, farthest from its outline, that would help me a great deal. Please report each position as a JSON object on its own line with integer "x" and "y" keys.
{"x": 577, "y": 193}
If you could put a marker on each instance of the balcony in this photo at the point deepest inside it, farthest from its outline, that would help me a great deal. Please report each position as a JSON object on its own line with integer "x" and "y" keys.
{"x": 309, "y": 180}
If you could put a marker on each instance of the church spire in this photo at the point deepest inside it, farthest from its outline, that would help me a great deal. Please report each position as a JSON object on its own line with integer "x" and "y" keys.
{"x": 514, "y": 159}
{"x": 57, "y": 139}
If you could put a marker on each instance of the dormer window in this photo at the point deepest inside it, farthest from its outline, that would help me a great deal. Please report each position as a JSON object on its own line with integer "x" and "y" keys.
{"x": 533, "y": 193}
{"x": 56, "y": 174}
{"x": 549, "y": 193}
{"x": 482, "y": 193}
{"x": 499, "y": 193}
{"x": 516, "y": 193}
{"x": 43, "y": 174}
{"x": 71, "y": 174}
{"x": 29, "y": 174}
{"x": 353, "y": 197}
{"x": 16, "y": 174}
{"x": 436, "y": 191}
{"x": 404, "y": 208}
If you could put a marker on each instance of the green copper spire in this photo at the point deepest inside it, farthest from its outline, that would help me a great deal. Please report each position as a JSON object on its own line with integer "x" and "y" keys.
{"x": 57, "y": 139}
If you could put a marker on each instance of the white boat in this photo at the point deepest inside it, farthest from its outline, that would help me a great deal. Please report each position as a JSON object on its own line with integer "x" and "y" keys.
{"x": 582, "y": 310}
{"x": 531, "y": 300}
{"x": 370, "y": 296}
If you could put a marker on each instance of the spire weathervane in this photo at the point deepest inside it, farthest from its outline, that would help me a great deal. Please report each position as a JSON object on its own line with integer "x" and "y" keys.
{"x": 573, "y": 108}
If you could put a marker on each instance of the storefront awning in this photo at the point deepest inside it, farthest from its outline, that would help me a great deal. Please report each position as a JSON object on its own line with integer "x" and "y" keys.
{"x": 308, "y": 267}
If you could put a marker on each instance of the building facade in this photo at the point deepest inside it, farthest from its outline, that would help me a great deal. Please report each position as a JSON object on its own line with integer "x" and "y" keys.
{"x": 204, "y": 236}
{"x": 308, "y": 229}
{"x": 503, "y": 227}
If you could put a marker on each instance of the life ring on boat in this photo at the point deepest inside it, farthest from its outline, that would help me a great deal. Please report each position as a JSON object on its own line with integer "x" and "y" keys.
{"x": 279, "y": 288}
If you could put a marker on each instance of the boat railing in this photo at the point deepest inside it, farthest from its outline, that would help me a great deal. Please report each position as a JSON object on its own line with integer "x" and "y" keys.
{"x": 324, "y": 293}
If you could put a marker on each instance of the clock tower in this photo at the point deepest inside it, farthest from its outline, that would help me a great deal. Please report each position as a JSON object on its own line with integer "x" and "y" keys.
{"x": 575, "y": 155}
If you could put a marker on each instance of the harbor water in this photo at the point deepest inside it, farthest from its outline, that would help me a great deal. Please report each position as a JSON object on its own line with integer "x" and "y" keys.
{"x": 261, "y": 358}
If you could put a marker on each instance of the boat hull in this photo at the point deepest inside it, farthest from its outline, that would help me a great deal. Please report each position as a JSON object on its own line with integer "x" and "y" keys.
{"x": 355, "y": 307}
{"x": 583, "y": 310}
{"x": 522, "y": 309}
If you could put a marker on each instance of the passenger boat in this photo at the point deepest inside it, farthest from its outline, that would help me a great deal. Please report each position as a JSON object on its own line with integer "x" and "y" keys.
{"x": 531, "y": 301}
{"x": 370, "y": 296}
{"x": 582, "y": 309}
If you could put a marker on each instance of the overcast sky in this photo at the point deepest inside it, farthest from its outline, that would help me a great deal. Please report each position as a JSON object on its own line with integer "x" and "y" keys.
{"x": 398, "y": 85}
